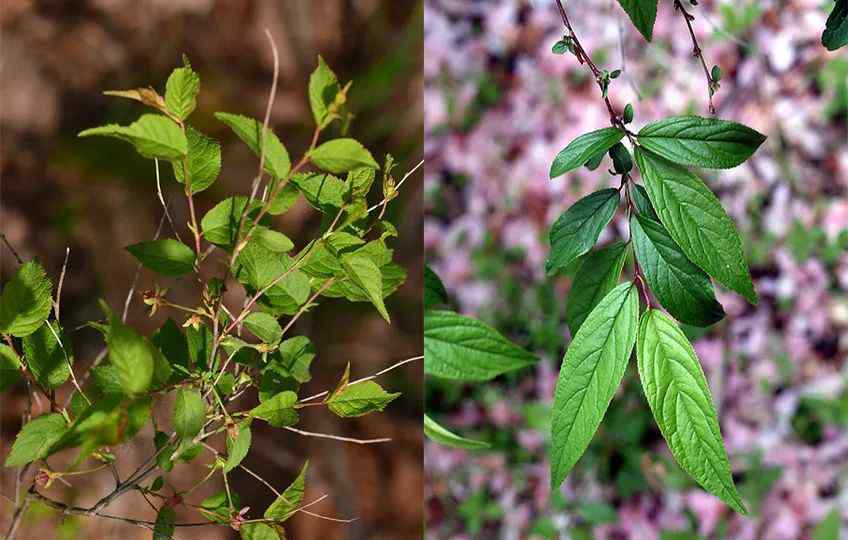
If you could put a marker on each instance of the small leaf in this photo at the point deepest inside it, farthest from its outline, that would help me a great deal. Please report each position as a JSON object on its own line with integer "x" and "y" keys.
{"x": 290, "y": 500}
{"x": 680, "y": 399}
{"x": 643, "y": 15}
{"x": 627, "y": 115}
{"x": 704, "y": 142}
{"x": 277, "y": 162}
{"x": 342, "y": 155}
{"x": 264, "y": 326}
{"x": 278, "y": 410}
{"x": 292, "y": 359}
{"x": 597, "y": 276}
{"x": 323, "y": 89}
{"x": 35, "y": 439}
{"x": 189, "y": 413}
{"x": 168, "y": 257}
{"x": 461, "y": 348}
{"x": 153, "y": 135}
{"x": 591, "y": 373}
{"x": 238, "y": 448}
{"x": 715, "y": 73}
{"x": 163, "y": 529}
{"x": 204, "y": 161}
{"x": 258, "y": 531}
{"x": 835, "y": 33}
{"x": 365, "y": 273}
{"x": 181, "y": 91}
{"x": 621, "y": 160}
{"x": 220, "y": 224}
{"x": 132, "y": 357}
{"x": 360, "y": 399}
{"x": 439, "y": 434}
{"x": 434, "y": 290}
{"x": 10, "y": 367}
{"x": 26, "y": 301}
{"x": 577, "y": 229}
{"x": 45, "y": 358}
{"x": 584, "y": 148}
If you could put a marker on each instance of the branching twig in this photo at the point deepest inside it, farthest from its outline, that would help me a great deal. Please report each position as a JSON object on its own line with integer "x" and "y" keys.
{"x": 712, "y": 84}
{"x": 336, "y": 437}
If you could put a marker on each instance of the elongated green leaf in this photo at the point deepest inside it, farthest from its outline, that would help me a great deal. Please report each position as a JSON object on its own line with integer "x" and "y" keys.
{"x": 323, "y": 89}
{"x": 705, "y": 142}
{"x": 153, "y": 135}
{"x": 584, "y": 148}
{"x": 680, "y": 286}
{"x": 434, "y": 290}
{"x": 278, "y": 410}
{"x": 220, "y": 223}
{"x": 181, "y": 91}
{"x": 680, "y": 399}
{"x": 642, "y": 13}
{"x": 189, "y": 413}
{"x": 577, "y": 229}
{"x": 132, "y": 357}
{"x": 342, "y": 155}
{"x": 26, "y": 300}
{"x": 264, "y": 326}
{"x": 45, "y": 358}
{"x": 277, "y": 162}
{"x": 360, "y": 399}
{"x": 597, "y": 276}
{"x": 10, "y": 367}
{"x": 697, "y": 222}
{"x": 643, "y": 202}
{"x": 591, "y": 372}
{"x": 290, "y": 500}
{"x": 35, "y": 439}
{"x": 835, "y": 33}
{"x": 168, "y": 257}
{"x": 435, "y": 432}
{"x": 204, "y": 161}
{"x": 238, "y": 448}
{"x": 163, "y": 529}
{"x": 365, "y": 273}
{"x": 461, "y": 348}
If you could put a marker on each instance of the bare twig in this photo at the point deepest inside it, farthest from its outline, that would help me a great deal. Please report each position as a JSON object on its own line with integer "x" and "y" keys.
{"x": 12, "y": 249}
{"x": 712, "y": 84}
{"x": 162, "y": 201}
{"x": 336, "y": 437}
{"x": 56, "y": 303}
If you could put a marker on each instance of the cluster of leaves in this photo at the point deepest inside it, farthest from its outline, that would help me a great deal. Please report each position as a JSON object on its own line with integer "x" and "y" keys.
{"x": 221, "y": 354}
{"x": 680, "y": 238}
{"x": 461, "y": 348}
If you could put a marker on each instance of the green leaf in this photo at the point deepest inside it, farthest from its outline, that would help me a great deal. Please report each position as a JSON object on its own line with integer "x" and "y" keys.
{"x": 217, "y": 507}
{"x": 621, "y": 160}
{"x": 174, "y": 347}
{"x": 324, "y": 191}
{"x": 643, "y": 14}
{"x": 680, "y": 286}
{"x": 434, "y": 290}
{"x": 278, "y": 410}
{"x": 272, "y": 240}
{"x": 45, "y": 358}
{"x": 704, "y": 142}
{"x": 680, "y": 399}
{"x": 35, "y": 439}
{"x": 189, "y": 413}
{"x": 365, "y": 273}
{"x": 290, "y": 500}
{"x": 26, "y": 300}
{"x": 285, "y": 199}
{"x": 461, "y": 348}
{"x": 643, "y": 202}
{"x": 220, "y": 224}
{"x": 264, "y": 326}
{"x": 435, "y": 432}
{"x": 154, "y": 136}
{"x": 181, "y": 92}
{"x": 259, "y": 267}
{"x": 584, "y": 148}
{"x": 163, "y": 529}
{"x": 342, "y": 155}
{"x": 360, "y": 399}
{"x": 597, "y": 276}
{"x": 577, "y": 229}
{"x": 238, "y": 448}
{"x": 277, "y": 162}
{"x": 132, "y": 357}
{"x": 696, "y": 221}
{"x": 258, "y": 531}
{"x": 292, "y": 359}
{"x": 10, "y": 367}
{"x": 835, "y": 33}
{"x": 204, "y": 161}
{"x": 828, "y": 528}
{"x": 323, "y": 88}
{"x": 591, "y": 372}
{"x": 168, "y": 257}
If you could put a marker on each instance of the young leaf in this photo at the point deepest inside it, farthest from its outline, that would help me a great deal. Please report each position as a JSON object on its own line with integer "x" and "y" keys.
{"x": 597, "y": 276}
{"x": 45, "y": 358}
{"x": 189, "y": 413}
{"x": 163, "y": 529}
{"x": 258, "y": 531}
{"x": 132, "y": 357}
{"x": 204, "y": 161}
{"x": 237, "y": 448}
{"x": 342, "y": 155}
{"x": 181, "y": 91}
{"x": 35, "y": 439}
{"x": 278, "y": 410}
{"x": 365, "y": 273}
{"x": 323, "y": 88}
{"x": 577, "y": 229}
{"x": 835, "y": 33}
{"x": 360, "y": 399}
{"x": 680, "y": 399}
{"x": 696, "y": 221}
{"x": 26, "y": 301}
{"x": 642, "y": 13}
{"x": 292, "y": 359}
{"x": 704, "y": 142}
{"x": 465, "y": 349}
{"x": 324, "y": 191}
{"x": 584, "y": 148}
{"x": 264, "y": 326}
{"x": 277, "y": 162}
{"x": 591, "y": 372}
{"x": 10, "y": 367}
{"x": 290, "y": 500}
{"x": 434, "y": 290}
{"x": 153, "y": 135}
{"x": 168, "y": 257}
{"x": 681, "y": 287}
{"x": 435, "y": 432}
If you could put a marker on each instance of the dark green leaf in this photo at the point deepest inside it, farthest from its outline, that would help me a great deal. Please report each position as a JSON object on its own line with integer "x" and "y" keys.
{"x": 434, "y": 290}
{"x": 643, "y": 14}
{"x": 163, "y": 529}
{"x": 238, "y": 448}
{"x": 362, "y": 271}
{"x": 45, "y": 358}
{"x": 597, "y": 276}
{"x": 621, "y": 160}
{"x": 577, "y": 229}
{"x": 204, "y": 161}
{"x": 220, "y": 224}
{"x": 584, "y": 148}
{"x": 643, "y": 202}
{"x": 132, "y": 357}
{"x": 10, "y": 367}
{"x": 835, "y": 33}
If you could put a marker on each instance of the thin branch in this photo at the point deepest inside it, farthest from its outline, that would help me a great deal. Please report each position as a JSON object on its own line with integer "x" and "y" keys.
{"x": 712, "y": 84}
{"x": 131, "y": 292}
{"x": 374, "y": 376}
{"x": 164, "y": 204}
{"x": 402, "y": 180}
{"x": 336, "y": 437}
{"x": 56, "y": 303}
{"x": 12, "y": 249}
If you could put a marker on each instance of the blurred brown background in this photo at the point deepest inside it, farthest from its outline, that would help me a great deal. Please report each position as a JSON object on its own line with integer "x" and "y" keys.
{"x": 96, "y": 196}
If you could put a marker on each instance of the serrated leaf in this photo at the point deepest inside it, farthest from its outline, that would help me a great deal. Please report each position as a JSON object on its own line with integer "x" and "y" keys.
{"x": 292, "y": 359}
{"x": 643, "y": 14}
{"x": 258, "y": 531}
{"x": 435, "y": 432}
{"x": 434, "y": 290}
{"x": 365, "y": 273}
{"x": 10, "y": 367}
{"x": 238, "y": 448}
{"x": 323, "y": 88}
{"x": 163, "y": 528}
{"x": 597, "y": 276}
{"x": 360, "y": 399}
{"x": 189, "y": 413}
{"x": 704, "y": 142}
{"x": 277, "y": 161}
{"x": 290, "y": 500}
{"x": 35, "y": 439}
{"x": 461, "y": 348}
{"x": 697, "y": 222}
{"x": 577, "y": 229}
{"x": 835, "y": 33}
{"x": 284, "y": 200}
{"x": 323, "y": 191}
{"x": 154, "y": 136}
{"x": 342, "y": 155}
{"x": 45, "y": 358}
{"x": 204, "y": 161}
{"x": 181, "y": 91}
{"x": 680, "y": 286}
{"x": 278, "y": 410}
{"x": 132, "y": 357}
{"x": 220, "y": 223}
{"x": 168, "y": 257}
{"x": 264, "y": 326}
{"x": 259, "y": 267}
{"x": 591, "y": 373}
{"x": 584, "y": 148}
{"x": 679, "y": 397}
{"x": 26, "y": 300}
{"x": 174, "y": 347}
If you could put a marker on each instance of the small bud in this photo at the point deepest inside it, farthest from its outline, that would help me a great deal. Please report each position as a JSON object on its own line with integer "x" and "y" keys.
{"x": 715, "y": 73}
{"x": 627, "y": 117}
{"x": 175, "y": 500}
{"x": 615, "y": 74}
{"x": 44, "y": 478}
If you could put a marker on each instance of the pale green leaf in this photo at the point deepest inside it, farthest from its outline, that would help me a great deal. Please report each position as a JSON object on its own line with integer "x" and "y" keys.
{"x": 279, "y": 410}
{"x": 342, "y": 155}
{"x": 203, "y": 163}
{"x": 264, "y": 326}
{"x": 365, "y": 273}
{"x": 435, "y": 432}
{"x": 323, "y": 88}
{"x": 132, "y": 357}
{"x": 258, "y": 531}
{"x": 189, "y": 413}
{"x": 324, "y": 191}
{"x": 181, "y": 91}
{"x": 10, "y": 367}
{"x": 168, "y": 257}
{"x": 290, "y": 500}
{"x": 153, "y": 135}
{"x": 238, "y": 448}
{"x": 828, "y": 528}
{"x": 220, "y": 224}
{"x": 584, "y": 148}
{"x": 277, "y": 162}
{"x": 360, "y": 399}
{"x": 26, "y": 300}
{"x": 35, "y": 439}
